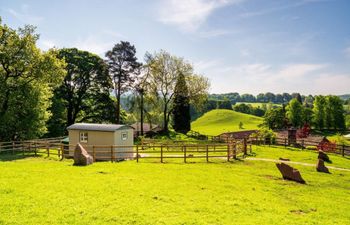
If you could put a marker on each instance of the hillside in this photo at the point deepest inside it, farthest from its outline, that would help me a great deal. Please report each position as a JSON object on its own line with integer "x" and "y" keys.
{"x": 222, "y": 120}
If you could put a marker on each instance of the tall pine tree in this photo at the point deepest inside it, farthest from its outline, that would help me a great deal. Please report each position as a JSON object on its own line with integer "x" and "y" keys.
{"x": 181, "y": 106}
{"x": 123, "y": 69}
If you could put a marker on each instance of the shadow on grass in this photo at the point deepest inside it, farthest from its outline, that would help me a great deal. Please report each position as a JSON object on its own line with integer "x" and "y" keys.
{"x": 4, "y": 157}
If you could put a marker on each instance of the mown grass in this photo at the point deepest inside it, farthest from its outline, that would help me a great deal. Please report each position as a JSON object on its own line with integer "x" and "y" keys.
{"x": 298, "y": 155}
{"x": 47, "y": 191}
{"x": 219, "y": 121}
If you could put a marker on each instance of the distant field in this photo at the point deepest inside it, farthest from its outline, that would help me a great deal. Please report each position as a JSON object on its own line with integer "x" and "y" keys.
{"x": 47, "y": 191}
{"x": 219, "y": 121}
{"x": 257, "y": 104}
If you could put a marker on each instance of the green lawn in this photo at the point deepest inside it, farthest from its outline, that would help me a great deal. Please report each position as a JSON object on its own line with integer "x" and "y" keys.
{"x": 298, "y": 155}
{"x": 219, "y": 121}
{"x": 47, "y": 191}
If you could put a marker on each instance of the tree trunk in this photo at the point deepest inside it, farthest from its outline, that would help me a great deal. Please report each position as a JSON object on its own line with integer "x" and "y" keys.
{"x": 165, "y": 118}
{"x": 70, "y": 119}
{"x": 141, "y": 112}
{"x": 117, "y": 94}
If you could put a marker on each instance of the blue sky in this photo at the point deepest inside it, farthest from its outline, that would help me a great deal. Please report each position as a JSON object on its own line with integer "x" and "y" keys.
{"x": 245, "y": 46}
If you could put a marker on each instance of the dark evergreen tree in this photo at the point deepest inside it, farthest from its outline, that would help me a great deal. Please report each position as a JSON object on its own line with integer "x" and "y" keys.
{"x": 298, "y": 97}
{"x": 181, "y": 106}
{"x": 123, "y": 69}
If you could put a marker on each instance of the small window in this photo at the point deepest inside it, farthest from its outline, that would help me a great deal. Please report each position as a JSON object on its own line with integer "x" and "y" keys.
{"x": 124, "y": 136}
{"x": 83, "y": 137}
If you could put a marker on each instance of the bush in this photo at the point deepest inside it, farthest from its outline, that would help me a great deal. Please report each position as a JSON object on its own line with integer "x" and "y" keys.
{"x": 266, "y": 134}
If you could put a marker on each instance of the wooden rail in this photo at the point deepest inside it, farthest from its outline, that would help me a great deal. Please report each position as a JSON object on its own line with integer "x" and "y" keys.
{"x": 340, "y": 149}
{"x": 55, "y": 148}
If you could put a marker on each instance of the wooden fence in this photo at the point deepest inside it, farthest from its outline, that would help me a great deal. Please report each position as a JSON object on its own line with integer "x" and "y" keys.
{"x": 49, "y": 146}
{"x": 341, "y": 149}
{"x": 162, "y": 152}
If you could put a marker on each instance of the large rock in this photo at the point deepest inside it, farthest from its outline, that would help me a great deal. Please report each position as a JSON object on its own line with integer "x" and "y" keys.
{"x": 81, "y": 156}
{"x": 322, "y": 155}
{"x": 289, "y": 173}
{"x": 321, "y": 167}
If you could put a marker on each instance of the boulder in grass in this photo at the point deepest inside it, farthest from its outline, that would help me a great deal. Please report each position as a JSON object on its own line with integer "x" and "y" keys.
{"x": 290, "y": 173}
{"x": 322, "y": 155}
{"x": 81, "y": 156}
{"x": 321, "y": 167}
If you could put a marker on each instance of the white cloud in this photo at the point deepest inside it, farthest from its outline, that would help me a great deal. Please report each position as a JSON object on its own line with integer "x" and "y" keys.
{"x": 306, "y": 78}
{"x": 24, "y": 15}
{"x": 94, "y": 44}
{"x": 280, "y": 7}
{"x": 329, "y": 83}
{"x": 46, "y": 44}
{"x": 347, "y": 52}
{"x": 189, "y": 15}
{"x": 214, "y": 33}
{"x": 296, "y": 71}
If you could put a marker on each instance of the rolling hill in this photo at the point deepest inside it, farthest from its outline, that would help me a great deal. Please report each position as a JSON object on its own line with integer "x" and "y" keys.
{"x": 219, "y": 121}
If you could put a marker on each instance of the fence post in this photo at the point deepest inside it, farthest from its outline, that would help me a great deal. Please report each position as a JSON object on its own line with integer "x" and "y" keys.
{"x": 184, "y": 150}
{"x": 13, "y": 148}
{"x": 47, "y": 149}
{"x": 302, "y": 144}
{"x": 22, "y": 148}
{"x": 35, "y": 149}
{"x": 235, "y": 150}
{"x": 343, "y": 150}
{"x": 93, "y": 153}
{"x": 245, "y": 146}
{"x": 161, "y": 153}
{"x": 62, "y": 151}
{"x": 137, "y": 153}
{"x": 207, "y": 153}
{"x": 228, "y": 152}
{"x": 112, "y": 156}
{"x": 285, "y": 142}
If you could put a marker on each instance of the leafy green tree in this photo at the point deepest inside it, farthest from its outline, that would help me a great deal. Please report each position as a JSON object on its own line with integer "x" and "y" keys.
{"x": 84, "y": 94}
{"x": 307, "y": 115}
{"x": 275, "y": 118}
{"x": 319, "y": 111}
{"x": 294, "y": 112}
{"x": 224, "y": 104}
{"x": 163, "y": 71}
{"x": 181, "y": 106}
{"x": 243, "y": 108}
{"x": 123, "y": 69}
{"x": 337, "y": 114}
{"x": 27, "y": 79}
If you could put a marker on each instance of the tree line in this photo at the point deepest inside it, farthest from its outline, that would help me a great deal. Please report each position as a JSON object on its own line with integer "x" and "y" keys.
{"x": 267, "y": 97}
{"x": 43, "y": 92}
{"x": 327, "y": 112}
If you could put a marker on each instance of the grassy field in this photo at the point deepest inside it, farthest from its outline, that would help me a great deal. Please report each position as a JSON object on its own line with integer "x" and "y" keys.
{"x": 219, "y": 121}
{"x": 43, "y": 191}
{"x": 258, "y": 104}
{"x": 298, "y": 155}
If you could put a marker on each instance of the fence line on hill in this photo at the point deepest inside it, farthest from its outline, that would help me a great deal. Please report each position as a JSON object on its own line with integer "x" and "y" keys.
{"x": 113, "y": 153}
{"x": 341, "y": 149}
